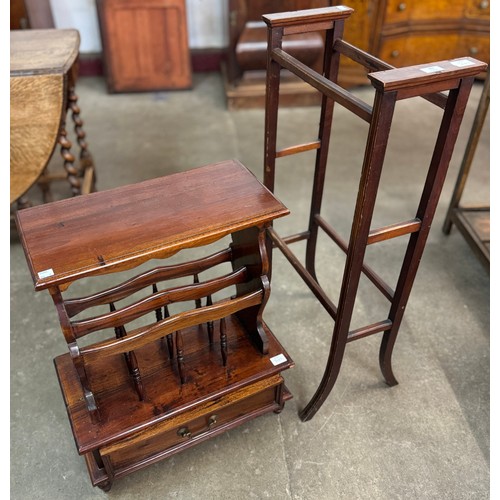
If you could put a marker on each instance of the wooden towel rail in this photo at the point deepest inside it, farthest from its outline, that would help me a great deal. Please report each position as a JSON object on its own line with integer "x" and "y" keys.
{"x": 429, "y": 81}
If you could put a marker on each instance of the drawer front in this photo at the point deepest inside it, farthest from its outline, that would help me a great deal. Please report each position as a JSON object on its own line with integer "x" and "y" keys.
{"x": 401, "y": 11}
{"x": 477, "y": 46}
{"x": 194, "y": 426}
{"x": 478, "y": 9}
{"x": 419, "y": 49}
{"x": 397, "y": 11}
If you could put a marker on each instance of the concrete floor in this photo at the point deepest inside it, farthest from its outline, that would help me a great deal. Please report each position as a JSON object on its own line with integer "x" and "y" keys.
{"x": 427, "y": 438}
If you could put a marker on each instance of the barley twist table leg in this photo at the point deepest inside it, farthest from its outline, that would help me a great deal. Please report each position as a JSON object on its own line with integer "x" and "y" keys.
{"x": 69, "y": 159}
{"x": 85, "y": 156}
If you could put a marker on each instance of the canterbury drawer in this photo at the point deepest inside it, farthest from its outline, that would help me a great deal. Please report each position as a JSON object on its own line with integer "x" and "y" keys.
{"x": 193, "y": 426}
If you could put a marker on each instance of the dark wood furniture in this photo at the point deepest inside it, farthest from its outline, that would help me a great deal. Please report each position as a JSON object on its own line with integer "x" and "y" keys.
{"x": 43, "y": 74}
{"x": 151, "y": 379}
{"x": 145, "y": 44}
{"x": 402, "y": 33}
{"x": 415, "y": 32}
{"x": 35, "y": 14}
{"x": 473, "y": 222}
{"x": 244, "y": 69}
{"x": 390, "y": 85}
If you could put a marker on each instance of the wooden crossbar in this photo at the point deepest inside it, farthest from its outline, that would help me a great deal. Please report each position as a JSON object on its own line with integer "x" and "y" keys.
{"x": 365, "y": 331}
{"x": 293, "y": 238}
{"x": 386, "y": 290}
{"x": 375, "y": 64}
{"x": 313, "y": 285}
{"x": 300, "y": 148}
{"x": 394, "y": 230}
{"x": 323, "y": 84}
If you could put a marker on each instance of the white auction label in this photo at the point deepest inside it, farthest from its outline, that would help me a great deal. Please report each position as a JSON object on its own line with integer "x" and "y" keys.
{"x": 46, "y": 273}
{"x": 432, "y": 69}
{"x": 461, "y": 63}
{"x": 278, "y": 359}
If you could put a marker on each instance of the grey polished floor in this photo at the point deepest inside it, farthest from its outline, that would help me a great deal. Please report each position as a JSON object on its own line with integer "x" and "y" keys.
{"x": 427, "y": 438}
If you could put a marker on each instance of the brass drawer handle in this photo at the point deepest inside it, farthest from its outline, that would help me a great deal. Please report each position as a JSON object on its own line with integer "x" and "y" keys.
{"x": 473, "y": 51}
{"x": 484, "y": 4}
{"x": 401, "y": 7}
{"x": 184, "y": 432}
{"x": 395, "y": 53}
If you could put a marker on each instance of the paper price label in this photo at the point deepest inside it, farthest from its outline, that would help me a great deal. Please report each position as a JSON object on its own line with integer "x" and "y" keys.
{"x": 46, "y": 273}
{"x": 432, "y": 69}
{"x": 278, "y": 359}
{"x": 462, "y": 63}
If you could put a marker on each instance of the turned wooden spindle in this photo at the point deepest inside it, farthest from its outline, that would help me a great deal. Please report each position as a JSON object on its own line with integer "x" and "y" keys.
{"x": 69, "y": 160}
{"x": 210, "y": 324}
{"x": 169, "y": 338}
{"x": 179, "y": 346}
{"x": 131, "y": 359}
{"x": 223, "y": 341}
{"x": 159, "y": 316}
{"x": 197, "y": 301}
{"x": 85, "y": 157}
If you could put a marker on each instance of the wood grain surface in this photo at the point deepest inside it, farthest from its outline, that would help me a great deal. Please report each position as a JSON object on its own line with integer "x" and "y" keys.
{"x": 36, "y": 107}
{"x": 40, "y": 63}
{"x": 123, "y": 227}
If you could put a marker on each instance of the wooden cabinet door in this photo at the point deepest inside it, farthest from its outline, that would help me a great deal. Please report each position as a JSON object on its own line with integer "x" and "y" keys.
{"x": 145, "y": 44}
